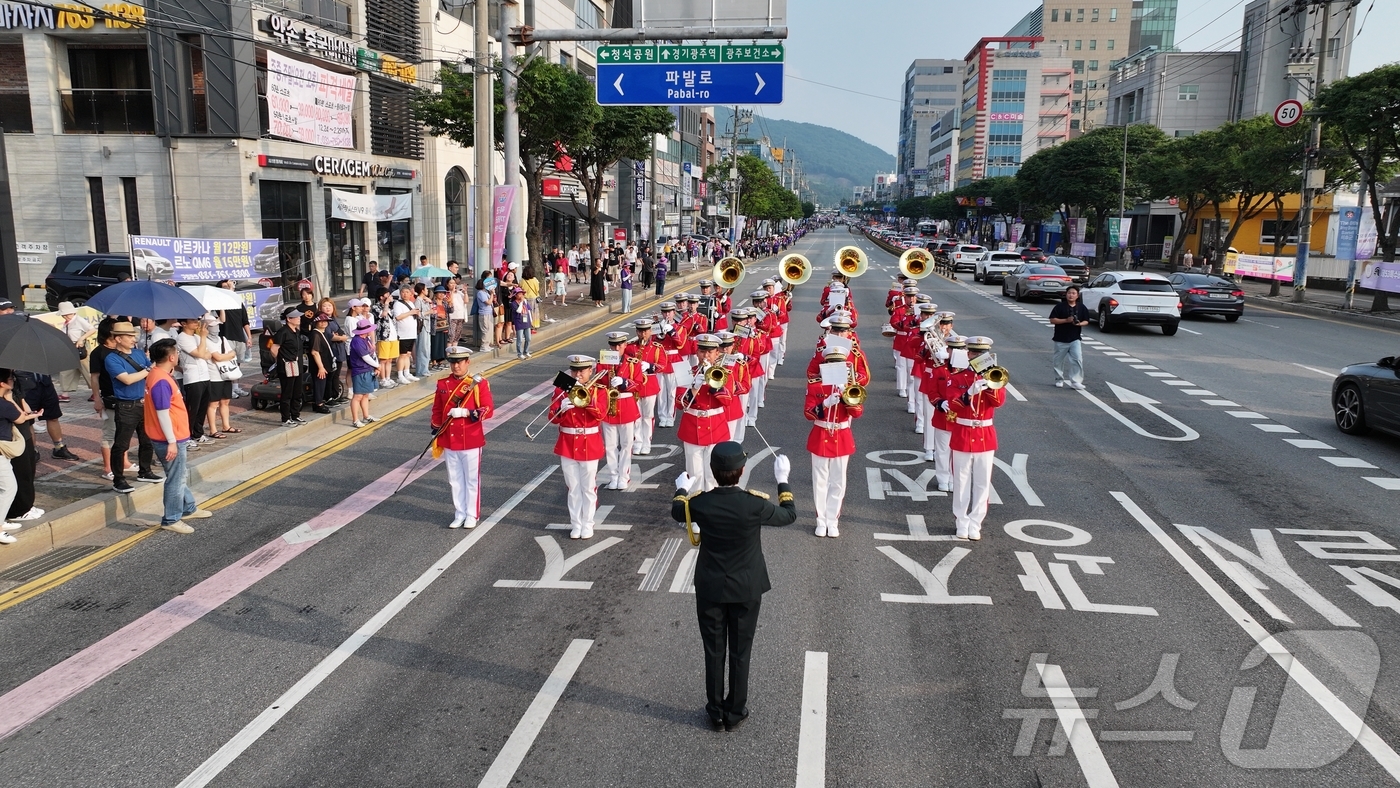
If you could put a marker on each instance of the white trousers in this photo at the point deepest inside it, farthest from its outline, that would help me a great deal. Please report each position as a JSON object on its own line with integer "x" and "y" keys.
{"x": 942, "y": 455}
{"x": 464, "y": 474}
{"x": 755, "y": 398}
{"x": 920, "y": 403}
{"x": 647, "y": 426}
{"x": 829, "y": 488}
{"x": 666, "y": 401}
{"x": 780, "y": 348}
{"x": 697, "y": 464}
{"x": 770, "y": 365}
{"x": 901, "y": 374}
{"x": 617, "y": 449}
{"x": 739, "y": 427}
{"x": 581, "y": 479}
{"x": 928, "y": 415}
{"x": 972, "y": 489}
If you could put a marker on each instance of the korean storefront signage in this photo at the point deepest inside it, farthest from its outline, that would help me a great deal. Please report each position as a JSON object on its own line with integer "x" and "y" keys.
{"x": 388, "y": 65}
{"x": 207, "y": 259}
{"x": 309, "y": 104}
{"x": 70, "y": 16}
{"x": 312, "y": 40}
{"x": 337, "y": 167}
{"x": 358, "y": 207}
{"x": 639, "y": 182}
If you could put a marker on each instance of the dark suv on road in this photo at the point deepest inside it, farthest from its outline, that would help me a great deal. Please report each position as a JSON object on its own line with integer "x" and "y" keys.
{"x": 78, "y": 277}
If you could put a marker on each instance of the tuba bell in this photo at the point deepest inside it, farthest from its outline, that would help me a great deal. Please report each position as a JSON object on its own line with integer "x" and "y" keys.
{"x": 916, "y": 263}
{"x": 795, "y": 269}
{"x": 728, "y": 272}
{"x": 851, "y": 261}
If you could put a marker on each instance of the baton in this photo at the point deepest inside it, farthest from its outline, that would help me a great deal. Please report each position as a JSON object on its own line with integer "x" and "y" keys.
{"x": 414, "y": 466}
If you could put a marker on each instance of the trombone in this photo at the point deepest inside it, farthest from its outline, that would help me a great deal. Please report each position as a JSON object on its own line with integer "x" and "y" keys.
{"x": 728, "y": 272}
{"x": 916, "y": 263}
{"x": 795, "y": 269}
{"x": 854, "y": 393}
{"x": 579, "y": 394}
{"x": 851, "y": 261}
{"x": 996, "y": 376}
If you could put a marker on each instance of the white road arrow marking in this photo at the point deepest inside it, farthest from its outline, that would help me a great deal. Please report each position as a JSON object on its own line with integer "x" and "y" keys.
{"x": 618, "y": 84}
{"x": 1134, "y": 398}
{"x": 761, "y": 83}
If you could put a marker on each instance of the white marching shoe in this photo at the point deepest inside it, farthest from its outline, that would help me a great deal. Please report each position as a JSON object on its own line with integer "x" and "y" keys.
{"x": 575, "y": 532}
{"x": 832, "y": 531}
{"x": 457, "y": 523}
{"x": 929, "y": 457}
{"x": 821, "y": 530}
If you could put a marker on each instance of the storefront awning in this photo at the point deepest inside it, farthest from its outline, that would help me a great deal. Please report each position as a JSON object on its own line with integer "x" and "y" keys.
{"x": 580, "y": 212}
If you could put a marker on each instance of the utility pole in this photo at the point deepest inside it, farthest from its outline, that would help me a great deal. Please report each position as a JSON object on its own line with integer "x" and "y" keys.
{"x": 515, "y": 228}
{"x": 1312, "y": 180}
{"x": 483, "y": 107}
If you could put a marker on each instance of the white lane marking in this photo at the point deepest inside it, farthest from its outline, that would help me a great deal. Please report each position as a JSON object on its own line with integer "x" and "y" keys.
{"x": 1275, "y": 428}
{"x": 1246, "y": 414}
{"x": 1383, "y": 482}
{"x": 1076, "y": 727}
{"x": 1131, "y": 360}
{"x": 1308, "y": 443}
{"x": 260, "y": 725}
{"x": 1116, "y": 353}
{"x": 1015, "y": 394}
{"x": 1155, "y": 374}
{"x": 1189, "y": 331}
{"x": 1347, "y": 462}
{"x": 811, "y": 739}
{"x": 502, "y": 769}
{"x": 1143, "y": 366}
{"x": 1102, "y": 346}
{"x": 1201, "y": 393}
{"x": 1257, "y": 323}
{"x": 1147, "y": 735}
{"x": 1178, "y": 383}
{"x": 1297, "y": 672}
{"x": 1220, "y": 403}
{"x": 1129, "y": 396}
{"x": 1315, "y": 369}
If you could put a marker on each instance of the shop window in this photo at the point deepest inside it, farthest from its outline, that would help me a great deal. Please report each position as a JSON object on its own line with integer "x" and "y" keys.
{"x": 345, "y": 247}
{"x": 110, "y": 91}
{"x": 14, "y": 89}
{"x": 393, "y": 238}
{"x": 100, "y": 240}
{"x": 1270, "y": 230}
{"x": 286, "y": 218}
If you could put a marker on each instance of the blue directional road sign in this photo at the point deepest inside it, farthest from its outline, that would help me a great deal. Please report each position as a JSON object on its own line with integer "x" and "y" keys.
{"x": 633, "y": 84}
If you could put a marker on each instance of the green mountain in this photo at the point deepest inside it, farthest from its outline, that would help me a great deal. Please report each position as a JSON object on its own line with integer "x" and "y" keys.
{"x": 834, "y": 161}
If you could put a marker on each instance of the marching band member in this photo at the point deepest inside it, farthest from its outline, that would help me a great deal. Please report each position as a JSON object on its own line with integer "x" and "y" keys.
{"x": 580, "y": 445}
{"x": 945, "y": 325}
{"x": 695, "y": 325}
{"x": 739, "y": 379}
{"x": 921, "y": 365}
{"x": 749, "y": 344}
{"x": 461, "y": 404}
{"x": 782, "y": 300}
{"x": 896, "y": 293}
{"x": 831, "y": 445}
{"x": 707, "y": 307}
{"x": 657, "y": 367}
{"x": 837, "y": 278}
{"x": 941, "y": 454}
{"x": 766, "y": 322}
{"x": 703, "y": 413}
{"x": 622, "y": 416}
{"x": 839, "y": 325}
{"x": 775, "y": 307}
{"x": 971, "y": 403}
{"x": 906, "y": 324}
{"x": 675, "y": 332}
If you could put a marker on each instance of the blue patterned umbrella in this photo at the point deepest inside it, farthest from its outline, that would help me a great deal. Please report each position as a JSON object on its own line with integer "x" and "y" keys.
{"x": 146, "y": 298}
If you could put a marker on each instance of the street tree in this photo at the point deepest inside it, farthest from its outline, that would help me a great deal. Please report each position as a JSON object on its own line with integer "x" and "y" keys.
{"x": 619, "y": 133}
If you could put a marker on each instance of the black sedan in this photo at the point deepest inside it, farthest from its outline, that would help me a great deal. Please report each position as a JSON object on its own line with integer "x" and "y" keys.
{"x": 1367, "y": 397}
{"x": 1035, "y": 280}
{"x": 1204, "y": 294}
{"x": 1073, "y": 266}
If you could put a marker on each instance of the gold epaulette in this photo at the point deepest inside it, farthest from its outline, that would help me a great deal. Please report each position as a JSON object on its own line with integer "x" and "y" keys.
{"x": 681, "y": 498}
{"x": 783, "y": 497}
{"x": 759, "y": 493}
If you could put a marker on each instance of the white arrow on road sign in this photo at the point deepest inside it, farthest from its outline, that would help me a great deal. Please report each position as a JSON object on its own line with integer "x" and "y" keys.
{"x": 761, "y": 83}
{"x": 1134, "y": 398}
{"x": 618, "y": 83}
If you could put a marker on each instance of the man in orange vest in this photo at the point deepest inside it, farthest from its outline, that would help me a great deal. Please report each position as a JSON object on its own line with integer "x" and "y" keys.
{"x": 831, "y": 444}
{"x": 167, "y": 424}
{"x": 461, "y": 405}
{"x": 580, "y": 445}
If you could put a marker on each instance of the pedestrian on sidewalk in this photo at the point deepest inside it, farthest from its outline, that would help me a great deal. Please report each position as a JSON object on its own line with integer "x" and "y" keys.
{"x": 287, "y": 351}
{"x": 195, "y": 370}
{"x": 1069, "y": 318}
{"x": 661, "y": 269}
{"x": 128, "y": 368}
{"x": 422, "y": 348}
{"x": 458, "y": 310}
{"x": 626, "y": 277}
{"x": 41, "y": 394}
{"x": 236, "y": 330}
{"x": 80, "y": 332}
{"x": 522, "y": 314}
{"x": 405, "y": 313}
{"x": 220, "y": 389}
{"x": 13, "y": 413}
{"x": 104, "y": 403}
{"x": 597, "y": 284}
{"x": 167, "y": 426}
{"x": 484, "y": 312}
{"x": 363, "y": 365}
{"x": 561, "y": 282}
{"x": 441, "y": 307}
{"x": 321, "y": 363}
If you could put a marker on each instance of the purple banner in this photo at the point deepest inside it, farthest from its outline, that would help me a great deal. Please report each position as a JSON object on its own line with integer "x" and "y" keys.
{"x": 1380, "y": 276}
{"x": 204, "y": 259}
{"x": 502, "y": 199}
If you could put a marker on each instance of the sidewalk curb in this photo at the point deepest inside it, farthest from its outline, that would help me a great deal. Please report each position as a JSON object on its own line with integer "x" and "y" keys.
{"x": 79, "y": 519}
{"x": 1378, "y": 321}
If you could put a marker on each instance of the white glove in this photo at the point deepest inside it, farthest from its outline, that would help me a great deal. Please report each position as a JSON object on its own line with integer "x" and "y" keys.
{"x": 943, "y": 405}
{"x": 978, "y": 386}
{"x": 459, "y": 413}
{"x": 940, "y": 355}
{"x": 782, "y": 466}
{"x": 831, "y": 400}
{"x": 684, "y": 481}
{"x": 565, "y": 405}
{"x": 648, "y": 367}
{"x": 616, "y": 381}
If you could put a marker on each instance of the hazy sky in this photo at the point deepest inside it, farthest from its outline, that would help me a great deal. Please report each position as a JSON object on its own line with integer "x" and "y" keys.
{"x": 866, "y": 46}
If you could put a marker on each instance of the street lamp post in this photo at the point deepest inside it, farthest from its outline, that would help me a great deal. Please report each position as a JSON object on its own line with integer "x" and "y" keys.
{"x": 1312, "y": 180}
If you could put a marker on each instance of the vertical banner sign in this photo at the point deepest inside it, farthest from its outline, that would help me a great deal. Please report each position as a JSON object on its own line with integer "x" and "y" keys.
{"x": 639, "y": 182}
{"x": 1125, "y": 230}
{"x": 686, "y": 192}
{"x": 1348, "y": 231}
{"x": 1017, "y": 230}
{"x": 309, "y": 104}
{"x": 1366, "y": 239}
{"x": 502, "y": 198}
{"x": 471, "y": 230}
{"x": 1167, "y": 248}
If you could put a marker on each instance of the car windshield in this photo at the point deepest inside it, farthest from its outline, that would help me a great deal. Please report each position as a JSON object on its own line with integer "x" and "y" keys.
{"x": 1046, "y": 270}
{"x": 1145, "y": 286}
{"x": 1068, "y": 261}
{"x": 974, "y": 249}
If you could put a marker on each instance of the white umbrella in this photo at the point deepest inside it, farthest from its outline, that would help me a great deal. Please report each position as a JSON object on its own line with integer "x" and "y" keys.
{"x": 214, "y": 298}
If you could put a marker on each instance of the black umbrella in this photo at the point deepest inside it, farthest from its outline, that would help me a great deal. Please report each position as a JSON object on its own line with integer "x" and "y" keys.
{"x": 34, "y": 346}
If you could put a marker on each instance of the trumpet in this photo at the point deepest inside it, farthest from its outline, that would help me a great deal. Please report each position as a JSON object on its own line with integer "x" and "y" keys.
{"x": 853, "y": 395}
{"x": 716, "y": 377}
{"x": 916, "y": 263}
{"x": 795, "y": 269}
{"x": 728, "y": 272}
{"x": 851, "y": 261}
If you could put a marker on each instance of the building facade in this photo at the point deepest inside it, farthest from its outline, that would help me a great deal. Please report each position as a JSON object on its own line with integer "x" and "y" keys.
{"x": 931, "y": 88}
{"x": 1181, "y": 93}
{"x": 942, "y": 152}
{"x": 1272, "y": 32}
{"x": 1016, "y": 101}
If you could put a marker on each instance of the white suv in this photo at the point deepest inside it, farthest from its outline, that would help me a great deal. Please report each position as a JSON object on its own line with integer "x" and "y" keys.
{"x": 1121, "y": 297}
{"x": 994, "y": 266}
{"x": 965, "y": 256}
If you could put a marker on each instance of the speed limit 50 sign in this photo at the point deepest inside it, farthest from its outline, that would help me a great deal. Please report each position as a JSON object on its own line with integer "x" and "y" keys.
{"x": 1288, "y": 113}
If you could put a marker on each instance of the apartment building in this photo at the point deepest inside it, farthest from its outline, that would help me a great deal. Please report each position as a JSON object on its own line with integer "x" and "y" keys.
{"x": 1016, "y": 101}
{"x": 942, "y": 152}
{"x": 931, "y": 88}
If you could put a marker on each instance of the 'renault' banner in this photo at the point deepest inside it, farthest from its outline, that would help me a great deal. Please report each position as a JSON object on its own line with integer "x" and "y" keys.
{"x": 204, "y": 259}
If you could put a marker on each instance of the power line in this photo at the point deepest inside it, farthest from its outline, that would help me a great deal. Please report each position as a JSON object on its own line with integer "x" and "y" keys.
{"x": 847, "y": 90}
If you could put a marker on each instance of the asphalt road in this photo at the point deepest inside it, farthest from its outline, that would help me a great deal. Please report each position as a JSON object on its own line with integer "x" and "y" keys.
{"x": 1105, "y": 631}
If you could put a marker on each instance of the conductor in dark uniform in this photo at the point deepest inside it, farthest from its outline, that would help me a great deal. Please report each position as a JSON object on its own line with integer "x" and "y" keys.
{"x": 730, "y": 575}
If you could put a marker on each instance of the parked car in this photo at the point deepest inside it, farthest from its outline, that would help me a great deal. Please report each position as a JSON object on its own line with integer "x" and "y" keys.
{"x": 964, "y": 256}
{"x": 1125, "y": 297}
{"x": 1032, "y": 254}
{"x": 994, "y": 266}
{"x": 1367, "y": 397}
{"x": 1204, "y": 294}
{"x": 78, "y": 277}
{"x": 149, "y": 264}
{"x": 1035, "y": 280}
{"x": 1075, "y": 267}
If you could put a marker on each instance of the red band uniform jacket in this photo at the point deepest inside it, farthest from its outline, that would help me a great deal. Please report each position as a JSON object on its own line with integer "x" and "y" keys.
{"x": 468, "y": 433}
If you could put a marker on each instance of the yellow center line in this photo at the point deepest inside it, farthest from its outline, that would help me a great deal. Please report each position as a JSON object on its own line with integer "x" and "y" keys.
{"x": 26, "y": 591}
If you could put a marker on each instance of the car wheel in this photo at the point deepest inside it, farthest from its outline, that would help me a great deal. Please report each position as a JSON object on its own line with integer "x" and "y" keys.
{"x": 78, "y": 302}
{"x": 1004, "y": 292}
{"x": 1349, "y": 410}
{"x": 1019, "y": 295}
{"x": 1169, "y": 330}
{"x": 1104, "y": 325}
{"x": 976, "y": 277}
{"x": 1232, "y": 318}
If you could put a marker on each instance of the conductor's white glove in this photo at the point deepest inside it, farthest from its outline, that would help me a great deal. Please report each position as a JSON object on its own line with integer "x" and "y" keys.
{"x": 616, "y": 382}
{"x": 978, "y": 386}
{"x": 459, "y": 413}
{"x": 831, "y": 400}
{"x": 782, "y": 466}
{"x": 684, "y": 481}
